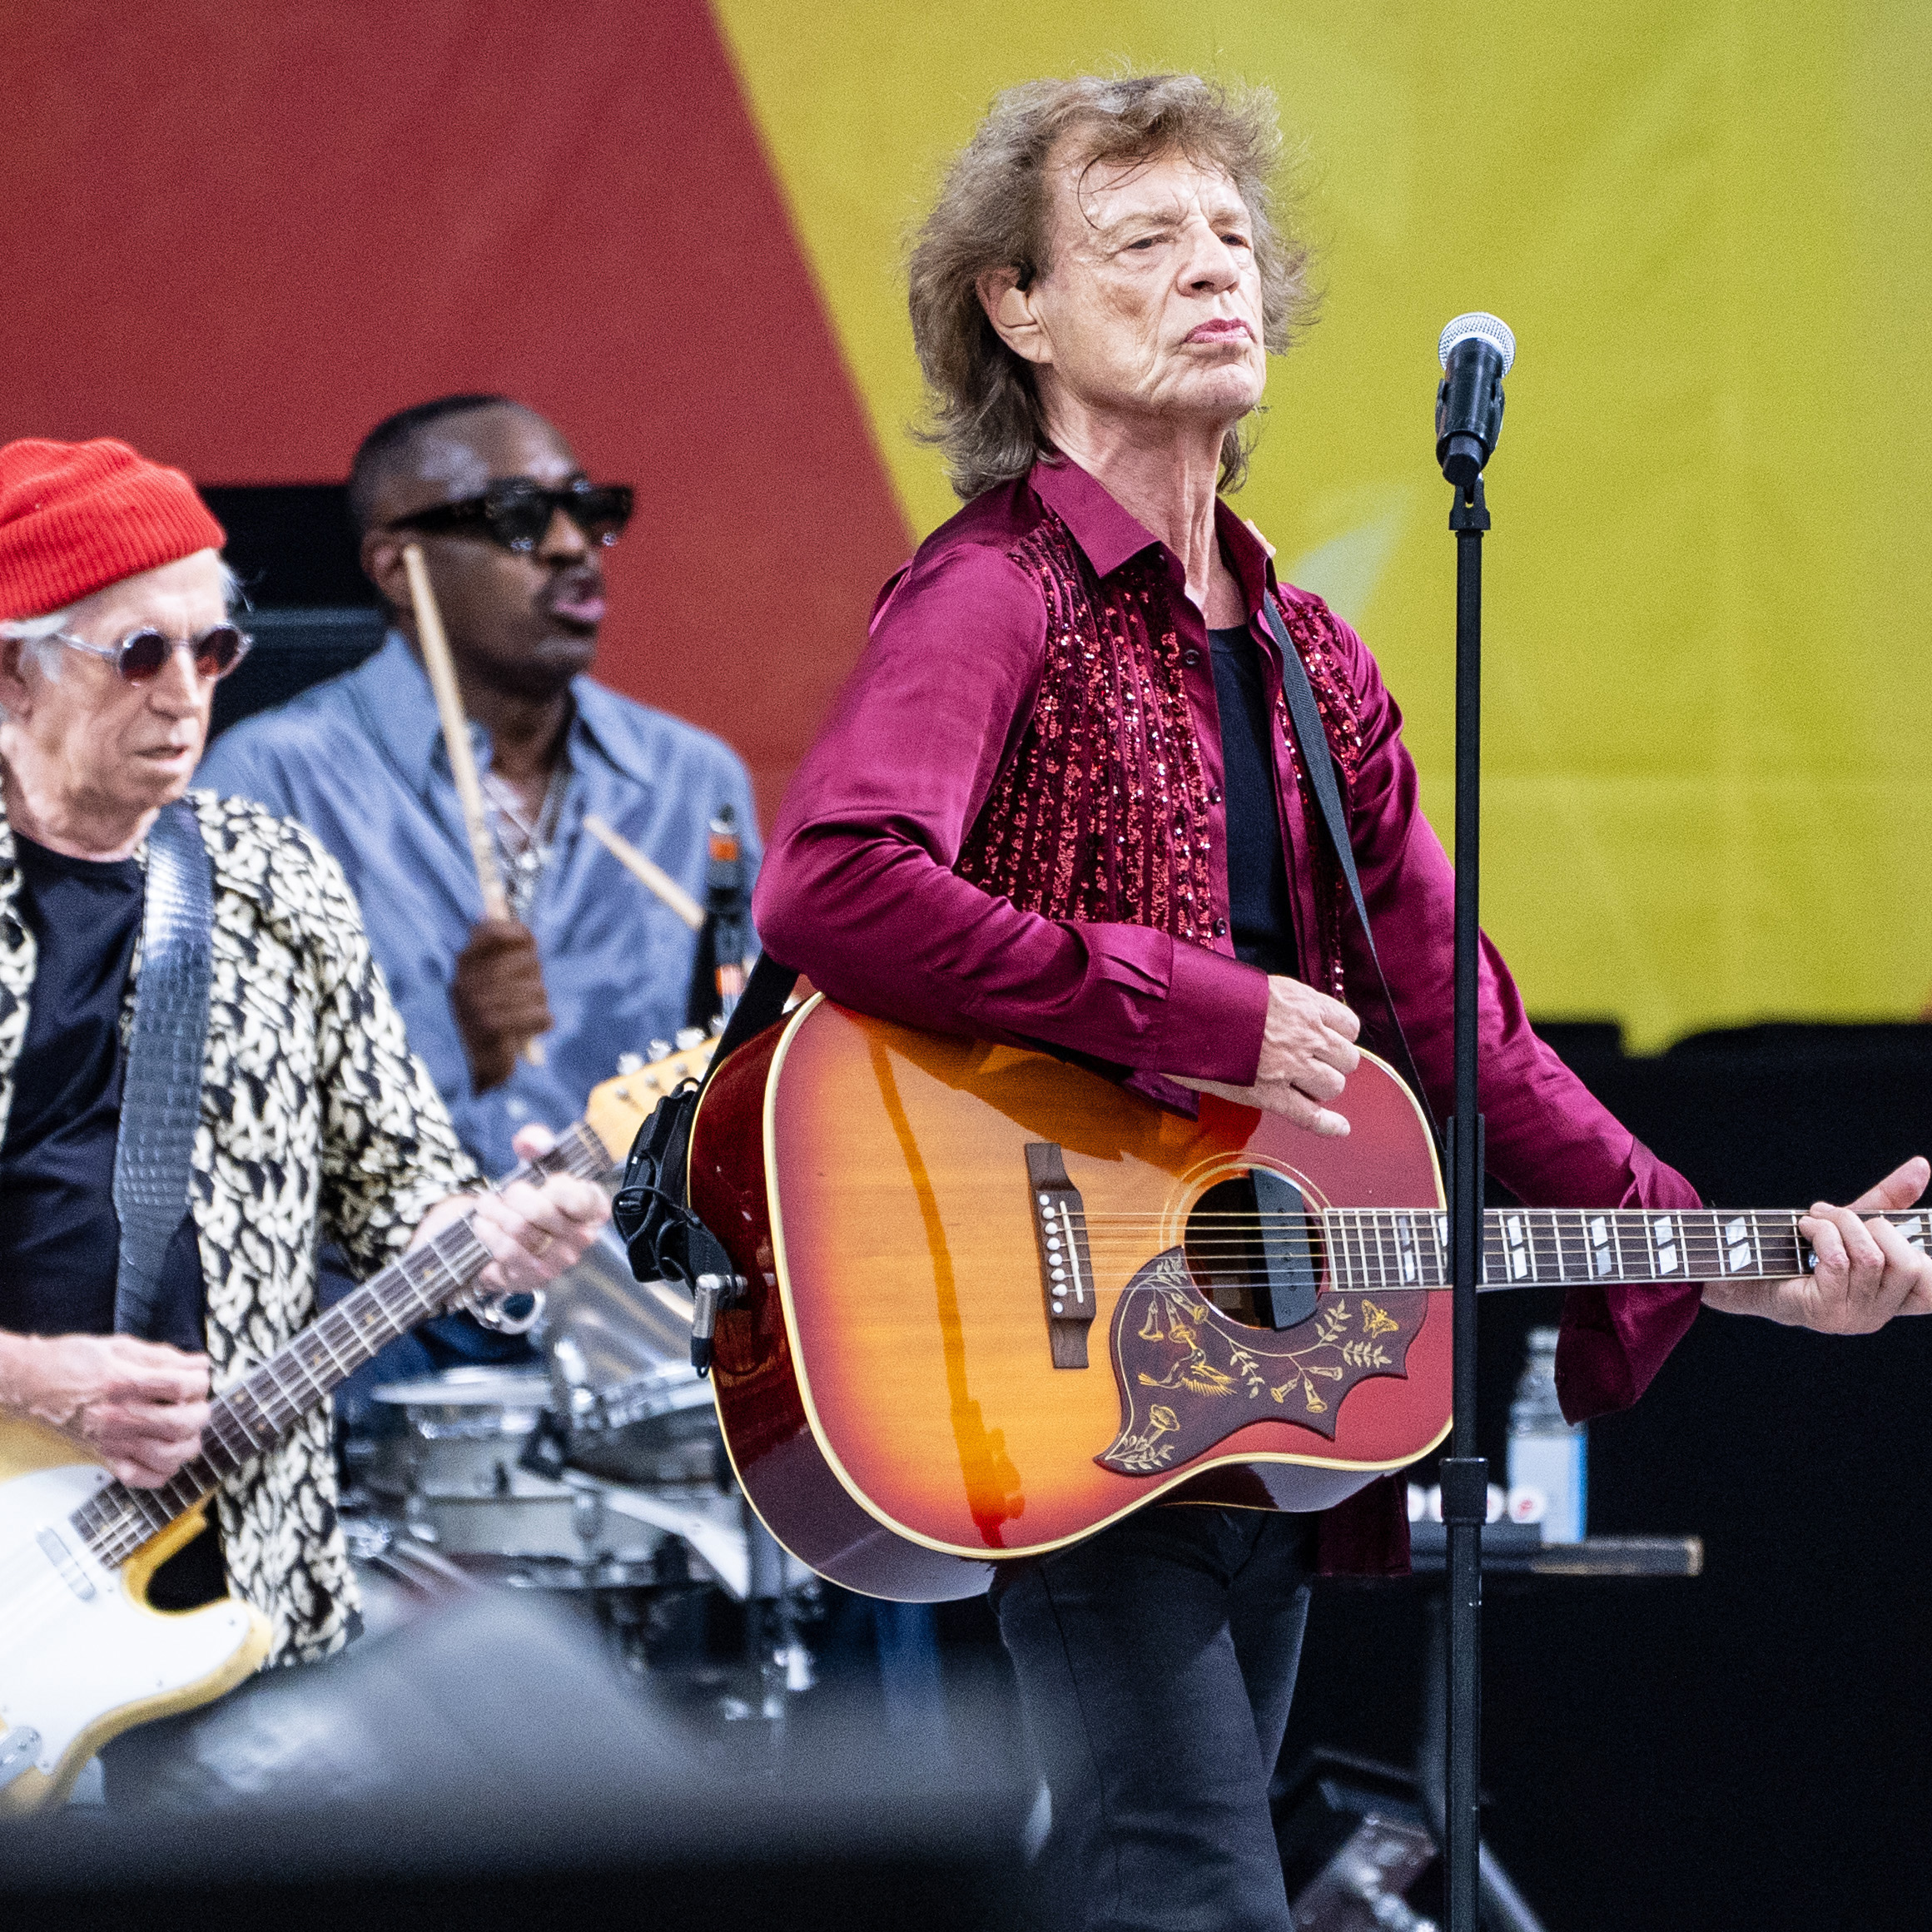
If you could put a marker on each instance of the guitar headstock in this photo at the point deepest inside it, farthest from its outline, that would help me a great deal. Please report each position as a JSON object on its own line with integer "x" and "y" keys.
{"x": 619, "y": 1107}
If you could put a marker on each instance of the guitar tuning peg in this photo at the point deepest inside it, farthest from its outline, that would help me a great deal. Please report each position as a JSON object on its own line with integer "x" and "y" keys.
{"x": 630, "y": 1062}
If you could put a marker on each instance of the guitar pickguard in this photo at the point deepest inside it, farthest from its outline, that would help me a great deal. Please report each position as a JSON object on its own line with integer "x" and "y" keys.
{"x": 1190, "y": 1376}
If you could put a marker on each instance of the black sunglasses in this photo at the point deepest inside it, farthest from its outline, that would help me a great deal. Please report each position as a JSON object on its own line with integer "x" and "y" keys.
{"x": 141, "y": 655}
{"x": 516, "y": 512}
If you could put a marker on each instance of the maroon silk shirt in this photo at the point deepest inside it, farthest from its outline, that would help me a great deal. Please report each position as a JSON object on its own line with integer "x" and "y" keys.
{"x": 859, "y": 890}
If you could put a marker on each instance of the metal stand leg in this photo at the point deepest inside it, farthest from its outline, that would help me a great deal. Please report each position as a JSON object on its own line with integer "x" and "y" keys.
{"x": 1501, "y": 1906}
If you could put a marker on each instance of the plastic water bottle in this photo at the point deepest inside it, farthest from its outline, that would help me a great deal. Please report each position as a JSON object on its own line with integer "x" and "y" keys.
{"x": 1546, "y": 1452}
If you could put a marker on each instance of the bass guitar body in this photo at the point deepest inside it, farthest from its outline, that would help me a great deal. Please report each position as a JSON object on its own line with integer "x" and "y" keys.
{"x": 83, "y": 1657}
{"x": 994, "y": 1302}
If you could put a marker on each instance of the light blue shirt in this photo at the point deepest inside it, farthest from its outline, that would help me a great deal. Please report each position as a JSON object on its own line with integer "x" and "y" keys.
{"x": 360, "y": 760}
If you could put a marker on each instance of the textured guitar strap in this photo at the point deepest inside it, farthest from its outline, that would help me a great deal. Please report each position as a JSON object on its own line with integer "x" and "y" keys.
{"x": 161, "y": 1098}
{"x": 1313, "y": 741}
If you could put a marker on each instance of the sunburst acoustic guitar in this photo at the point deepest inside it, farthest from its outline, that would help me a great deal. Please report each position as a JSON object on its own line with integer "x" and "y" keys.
{"x": 993, "y": 1302}
{"x": 83, "y": 1656}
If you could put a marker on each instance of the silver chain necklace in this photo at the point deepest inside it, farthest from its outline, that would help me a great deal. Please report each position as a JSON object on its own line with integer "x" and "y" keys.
{"x": 523, "y": 846}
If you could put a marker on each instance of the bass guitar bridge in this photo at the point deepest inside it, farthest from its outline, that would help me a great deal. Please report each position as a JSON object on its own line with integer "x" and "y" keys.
{"x": 1067, "y": 1275}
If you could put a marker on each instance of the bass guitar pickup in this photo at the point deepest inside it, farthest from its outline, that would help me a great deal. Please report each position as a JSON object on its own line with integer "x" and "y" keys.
{"x": 1066, "y": 1273}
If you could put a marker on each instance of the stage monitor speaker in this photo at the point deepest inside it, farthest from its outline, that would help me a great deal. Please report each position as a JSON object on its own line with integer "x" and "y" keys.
{"x": 490, "y": 1769}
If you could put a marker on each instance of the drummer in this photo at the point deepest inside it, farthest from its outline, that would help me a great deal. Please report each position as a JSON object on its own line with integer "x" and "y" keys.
{"x": 513, "y": 533}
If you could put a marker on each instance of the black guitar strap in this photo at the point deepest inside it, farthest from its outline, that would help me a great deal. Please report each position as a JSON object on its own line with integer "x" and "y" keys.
{"x": 767, "y": 986}
{"x": 1312, "y": 741}
{"x": 160, "y": 1095}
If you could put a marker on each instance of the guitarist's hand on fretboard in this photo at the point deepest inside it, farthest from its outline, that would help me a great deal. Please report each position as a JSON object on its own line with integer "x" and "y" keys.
{"x": 1308, "y": 1051}
{"x": 534, "y": 1233}
{"x": 141, "y": 1406}
{"x": 1866, "y": 1272}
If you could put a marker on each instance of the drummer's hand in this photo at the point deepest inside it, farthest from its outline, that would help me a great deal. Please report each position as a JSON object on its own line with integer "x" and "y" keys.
{"x": 498, "y": 999}
{"x": 534, "y": 1233}
{"x": 141, "y": 1406}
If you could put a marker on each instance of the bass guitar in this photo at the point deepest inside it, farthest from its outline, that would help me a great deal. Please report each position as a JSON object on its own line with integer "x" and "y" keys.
{"x": 83, "y": 1655}
{"x": 992, "y": 1302}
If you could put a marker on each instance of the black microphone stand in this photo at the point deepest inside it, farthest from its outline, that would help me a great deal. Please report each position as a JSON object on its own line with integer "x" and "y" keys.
{"x": 1465, "y": 1473}
{"x": 1477, "y": 352}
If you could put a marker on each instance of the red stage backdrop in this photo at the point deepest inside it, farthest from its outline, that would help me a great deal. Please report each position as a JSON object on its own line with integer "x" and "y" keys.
{"x": 238, "y": 235}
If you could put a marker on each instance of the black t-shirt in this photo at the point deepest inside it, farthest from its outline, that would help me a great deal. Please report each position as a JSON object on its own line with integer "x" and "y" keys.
{"x": 60, "y": 1238}
{"x": 1260, "y": 912}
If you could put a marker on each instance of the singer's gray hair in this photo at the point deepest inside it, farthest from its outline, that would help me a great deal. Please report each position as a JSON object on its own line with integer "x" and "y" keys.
{"x": 994, "y": 211}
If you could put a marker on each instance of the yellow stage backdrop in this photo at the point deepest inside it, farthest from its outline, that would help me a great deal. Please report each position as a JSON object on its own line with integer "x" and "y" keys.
{"x": 1705, "y": 794}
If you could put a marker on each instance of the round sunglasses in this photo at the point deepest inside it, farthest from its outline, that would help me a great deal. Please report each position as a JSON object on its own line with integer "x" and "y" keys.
{"x": 515, "y": 512}
{"x": 140, "y": 656}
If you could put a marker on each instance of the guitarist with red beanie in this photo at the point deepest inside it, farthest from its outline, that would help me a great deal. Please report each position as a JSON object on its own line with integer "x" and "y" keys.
{"x": 201, "y": 1069}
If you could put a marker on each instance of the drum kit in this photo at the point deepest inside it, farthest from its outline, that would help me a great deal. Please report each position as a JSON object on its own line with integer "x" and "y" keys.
{"x": 598, "y": 1474}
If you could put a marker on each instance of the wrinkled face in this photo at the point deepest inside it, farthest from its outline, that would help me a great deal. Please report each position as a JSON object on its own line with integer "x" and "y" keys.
{"x": 80, "y": 733}
{"x": 1152, "y": 307}
{"x": 524, "y": 622}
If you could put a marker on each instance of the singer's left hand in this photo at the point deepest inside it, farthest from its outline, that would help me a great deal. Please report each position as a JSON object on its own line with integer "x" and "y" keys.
{"x": 1867, "y": 1272}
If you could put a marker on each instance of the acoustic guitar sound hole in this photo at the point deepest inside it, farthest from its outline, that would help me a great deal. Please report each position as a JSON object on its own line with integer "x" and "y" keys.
{"x": 1251, "y": 1249}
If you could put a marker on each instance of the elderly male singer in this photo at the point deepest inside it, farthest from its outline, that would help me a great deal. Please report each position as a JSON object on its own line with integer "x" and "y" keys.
{"x": 1058, "y": 804}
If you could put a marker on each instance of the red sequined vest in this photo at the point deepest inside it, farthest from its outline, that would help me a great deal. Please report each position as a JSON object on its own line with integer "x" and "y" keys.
{"x": 1101, "y": 812}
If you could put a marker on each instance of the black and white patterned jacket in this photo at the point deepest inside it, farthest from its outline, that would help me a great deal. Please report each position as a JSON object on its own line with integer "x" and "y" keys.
{"x": 316, "y": 1123}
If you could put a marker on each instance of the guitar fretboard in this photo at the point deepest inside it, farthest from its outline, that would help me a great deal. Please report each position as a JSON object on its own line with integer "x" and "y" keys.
{"x": 1395, "y": 1248}
{"x": 254, "y": 1414}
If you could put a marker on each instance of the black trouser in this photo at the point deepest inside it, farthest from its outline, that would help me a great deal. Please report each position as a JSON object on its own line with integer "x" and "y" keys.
{"x": 1156, "y": 1661}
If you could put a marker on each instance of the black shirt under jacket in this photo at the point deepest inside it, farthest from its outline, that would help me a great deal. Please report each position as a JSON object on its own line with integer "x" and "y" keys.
{"x": 60, "y": 1238}
{"x": 1259, "y": 910}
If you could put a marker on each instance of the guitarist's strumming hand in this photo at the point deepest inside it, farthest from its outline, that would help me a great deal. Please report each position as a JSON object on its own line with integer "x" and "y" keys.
{"x": 1866, "y": 1271}
{"x": 1308, "y": 1051}
{"x": 140, "y": 1406}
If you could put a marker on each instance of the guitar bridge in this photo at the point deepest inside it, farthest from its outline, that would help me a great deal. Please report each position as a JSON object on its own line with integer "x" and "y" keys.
{"x": 1067, "y": 1275}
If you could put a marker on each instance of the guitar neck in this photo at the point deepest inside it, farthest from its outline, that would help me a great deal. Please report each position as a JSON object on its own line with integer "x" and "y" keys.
{"x": 1397, "y": 1248}
{"x": 253, "y": 1415}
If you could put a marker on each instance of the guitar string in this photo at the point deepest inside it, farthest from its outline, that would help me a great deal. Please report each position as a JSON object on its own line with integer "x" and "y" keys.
{"x": 1337, "y": 1225}
{"x": 119, "y": 1518}
{"x": 1772, "y": 1253}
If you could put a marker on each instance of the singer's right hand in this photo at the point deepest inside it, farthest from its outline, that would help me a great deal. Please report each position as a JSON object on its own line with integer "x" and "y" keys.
{"x": 498, "y": 998}
{"x": 1308, "y": 1051}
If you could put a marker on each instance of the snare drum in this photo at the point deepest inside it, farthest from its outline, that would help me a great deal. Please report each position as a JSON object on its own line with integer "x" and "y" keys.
{"x": 451, "y": 1472}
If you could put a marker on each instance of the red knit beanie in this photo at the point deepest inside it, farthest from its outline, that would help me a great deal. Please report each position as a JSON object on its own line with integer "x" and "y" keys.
{"x": 76, "y": 517}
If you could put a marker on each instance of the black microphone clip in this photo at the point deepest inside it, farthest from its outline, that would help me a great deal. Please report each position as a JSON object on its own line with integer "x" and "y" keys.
{"x": 1476, "y": 352}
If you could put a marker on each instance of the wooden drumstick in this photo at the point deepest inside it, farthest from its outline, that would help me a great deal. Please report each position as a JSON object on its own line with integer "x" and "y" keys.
{"x": 644, "y": 870}
{"x": 442, "y": 669}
